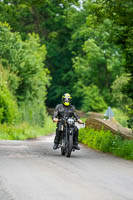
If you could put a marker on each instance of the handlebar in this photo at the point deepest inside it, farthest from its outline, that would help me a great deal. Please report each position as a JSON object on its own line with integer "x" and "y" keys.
{"x": 65, "y": 118}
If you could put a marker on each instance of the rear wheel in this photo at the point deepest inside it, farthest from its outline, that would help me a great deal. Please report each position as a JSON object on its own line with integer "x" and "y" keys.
{"x": 69, "y": 146}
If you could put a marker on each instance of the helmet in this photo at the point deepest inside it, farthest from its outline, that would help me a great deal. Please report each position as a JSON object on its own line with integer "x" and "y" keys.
{"x": 66, "y": 99}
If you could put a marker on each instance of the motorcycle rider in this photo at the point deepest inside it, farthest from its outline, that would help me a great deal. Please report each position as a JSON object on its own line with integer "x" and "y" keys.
{"x": 67, "y": 110}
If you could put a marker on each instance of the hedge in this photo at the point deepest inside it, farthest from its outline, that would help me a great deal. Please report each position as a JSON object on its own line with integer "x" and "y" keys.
{"x": 106, "y": 141}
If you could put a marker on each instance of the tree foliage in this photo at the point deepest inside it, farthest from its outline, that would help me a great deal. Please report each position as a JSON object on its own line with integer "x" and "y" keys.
{"x": 89, "y": 48}
{"x": 28, "y": 78}
{"x": 93, "y": 100}
{"x": 48, "y": 19}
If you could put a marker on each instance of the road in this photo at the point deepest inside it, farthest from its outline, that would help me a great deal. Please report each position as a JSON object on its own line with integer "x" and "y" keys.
{"x": 32, "y": 170}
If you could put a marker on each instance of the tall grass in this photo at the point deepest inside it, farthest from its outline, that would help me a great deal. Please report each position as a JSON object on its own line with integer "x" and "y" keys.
{"x": 25, "y": 131}
{"x": 120, "y": 116}
{"x": 32, "y": 112}
{"x": 33, "y": 122}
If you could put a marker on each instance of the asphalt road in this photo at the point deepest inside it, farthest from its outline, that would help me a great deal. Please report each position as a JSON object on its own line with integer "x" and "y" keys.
{"x": 31, "y": 170}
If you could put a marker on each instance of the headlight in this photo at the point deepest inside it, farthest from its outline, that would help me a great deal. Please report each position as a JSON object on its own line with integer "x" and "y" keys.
{"x": 70, "y": 121}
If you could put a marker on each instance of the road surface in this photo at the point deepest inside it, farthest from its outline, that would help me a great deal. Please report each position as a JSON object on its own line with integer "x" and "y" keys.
{"x": 32, "y": 170}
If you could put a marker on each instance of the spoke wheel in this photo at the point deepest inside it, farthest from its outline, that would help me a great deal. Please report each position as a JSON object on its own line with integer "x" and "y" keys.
{"x": 62, "y": 151}
{"x": 69, "y": 146}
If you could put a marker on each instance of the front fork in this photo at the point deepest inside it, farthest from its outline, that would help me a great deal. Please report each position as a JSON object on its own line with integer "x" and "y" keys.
{"x": 69, "y": 133}
{"x": 64, "y": 139}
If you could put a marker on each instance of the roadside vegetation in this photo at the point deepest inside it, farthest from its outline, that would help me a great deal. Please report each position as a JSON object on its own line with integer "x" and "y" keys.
{"x": 120, "y": 116}
{"x": 48, "y": 48}
{"x": 25, "y": 130}
{"x": 23, "y": 83}
{"x": 106, "y": 141}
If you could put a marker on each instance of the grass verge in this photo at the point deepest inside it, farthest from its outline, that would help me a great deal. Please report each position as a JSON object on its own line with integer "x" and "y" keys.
{"x": 105, "y": 141}
{"x": 25, "y": 131}
{"x": 120, "y": 116}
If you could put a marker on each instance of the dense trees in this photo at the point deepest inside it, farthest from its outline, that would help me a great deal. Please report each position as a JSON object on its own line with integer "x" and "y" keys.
{"x": 48, "y": 19}
{"x": 24, "y": 60}
{"x": 103, "y": 51}
{"x": 23, "y": 63}
{"x": 121, "y": 13}
{"x": 89, "y": 51}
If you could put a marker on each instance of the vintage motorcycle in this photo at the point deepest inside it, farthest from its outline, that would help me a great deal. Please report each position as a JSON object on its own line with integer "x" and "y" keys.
{"x": 66, "y": 141}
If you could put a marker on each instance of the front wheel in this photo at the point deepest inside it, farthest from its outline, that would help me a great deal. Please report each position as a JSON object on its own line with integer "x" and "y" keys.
{"x": 62, "y": 151}
{"x": 63, "y": 145}
{"x": 69, "y": 146}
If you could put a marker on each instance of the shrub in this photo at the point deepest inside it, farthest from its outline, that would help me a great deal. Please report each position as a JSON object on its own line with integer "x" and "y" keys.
{"x": 25, "y": 131}
{"x": 33, "y": 112}
{"x": 120, "y": 116}
{"x": 105, "y": 141}
{"x": 8, "y": 105}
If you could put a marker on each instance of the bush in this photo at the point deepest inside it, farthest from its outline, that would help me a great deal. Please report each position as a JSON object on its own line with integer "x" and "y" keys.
{"x": 8, "y": 105}
{"x": 130, "y": 123}
{"x": 33, "y": 112}
{"x": 120, "y": 116}
{"x": 105, "y": 141}
{"x": 25, "y": 131}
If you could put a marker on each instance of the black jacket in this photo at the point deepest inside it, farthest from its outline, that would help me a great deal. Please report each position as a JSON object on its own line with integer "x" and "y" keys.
{"x": 65, "y": 111}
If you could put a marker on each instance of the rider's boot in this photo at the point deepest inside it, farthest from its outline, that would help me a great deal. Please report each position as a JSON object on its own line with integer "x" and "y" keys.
{"x": 55, "y": 146}
{"x": 56, "y": 140}
{"x": 76, "y": 147}
{"x": 75, "y": 139}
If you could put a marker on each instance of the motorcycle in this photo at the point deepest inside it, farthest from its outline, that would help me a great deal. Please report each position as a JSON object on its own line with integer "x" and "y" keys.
{"x": 67, "y": 126}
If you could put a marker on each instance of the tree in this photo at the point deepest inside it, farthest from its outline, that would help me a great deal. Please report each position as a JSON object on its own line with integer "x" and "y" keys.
{"x": 28, "y": 79}
{"x": 48, "y": 19}
{"x": 81, "y": 43}
{"x": 121, "y": 99}
{"x": 121, "y": 13}
{"x": 99, "y": 62}
{"x": 92, "y": 100}
{"x": 24, "y": 60}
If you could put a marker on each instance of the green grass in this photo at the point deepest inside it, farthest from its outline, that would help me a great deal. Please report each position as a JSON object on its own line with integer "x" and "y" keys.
{"x": 25, "y": 131}
{"x": 120, "y": 116}
{"x": 83, "y": 119}
{"x": 105, "y": 141}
